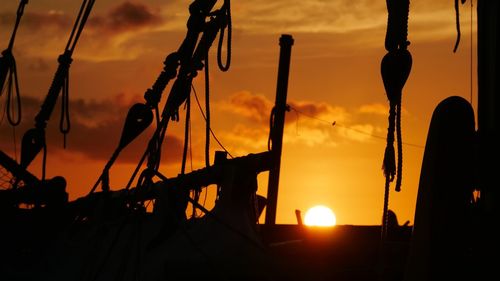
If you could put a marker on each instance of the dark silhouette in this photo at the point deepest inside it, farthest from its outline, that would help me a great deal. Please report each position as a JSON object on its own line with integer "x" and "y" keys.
{"x": 8, "y": 72}
{"x": 113, "y": 234}
{"x": 395, "y": 69}
{"x": 34, "y": 139}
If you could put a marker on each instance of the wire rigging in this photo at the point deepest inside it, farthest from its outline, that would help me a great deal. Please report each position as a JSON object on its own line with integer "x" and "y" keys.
{"x": 337, "y": 124}
{"x": 207, "y": 111}
{"x": 34, "y": 139}
{"x": 211, "y": 131}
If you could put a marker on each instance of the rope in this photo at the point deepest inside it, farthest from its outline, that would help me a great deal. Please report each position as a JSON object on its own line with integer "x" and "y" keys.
{"x": 271, "y": 129}
{"x": 389, "y": 163}
{"x": 207, "y": 113}
{"x": 60, "y": 83}
{"x": 186, "y": 135}
{"x": 385, "y": 217}
{"x": 19, "y": 14}
{"x": 399, "y": 176}
{"x": 336, "y": 124}
{"x": 8, "y": 70}
{"x": 12, "y": 89}
{"x": 227, "y": 12}
{"x": 457, "y": 22}
{"x": 64, "y": 122}
{"x": 395, "y": 69}
{"x": 211, "y": 131}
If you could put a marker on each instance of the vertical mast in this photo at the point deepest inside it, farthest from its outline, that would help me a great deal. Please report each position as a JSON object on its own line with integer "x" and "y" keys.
{"x": 489, "y": 101}
{"x": 277, "y": 126}
{"x": 488, "y": 133}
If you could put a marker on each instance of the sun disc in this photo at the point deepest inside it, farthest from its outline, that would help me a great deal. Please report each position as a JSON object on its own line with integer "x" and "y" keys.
{"x": 320, "y": 216}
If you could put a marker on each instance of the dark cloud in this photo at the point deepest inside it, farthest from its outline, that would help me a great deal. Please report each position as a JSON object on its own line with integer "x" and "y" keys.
{"x": 255, "y": 107}
{"x": 96, "y": 128}
{"x": 35, "y": 21}
{"x": 127, "y": 16}
{"x": 311, "y": 109}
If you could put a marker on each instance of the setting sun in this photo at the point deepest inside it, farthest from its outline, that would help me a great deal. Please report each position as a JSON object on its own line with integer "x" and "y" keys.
{"x": 320, "y": 216}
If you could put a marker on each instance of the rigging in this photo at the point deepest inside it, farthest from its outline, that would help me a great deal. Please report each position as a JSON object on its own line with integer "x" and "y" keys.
{"x": 34, "y": 139}
{"x": 395, "y": 69}
{"x": 8, "y": 73}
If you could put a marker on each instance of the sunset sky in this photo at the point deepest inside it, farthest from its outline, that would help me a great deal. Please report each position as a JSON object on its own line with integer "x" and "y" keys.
{"x": 334, "y": 76}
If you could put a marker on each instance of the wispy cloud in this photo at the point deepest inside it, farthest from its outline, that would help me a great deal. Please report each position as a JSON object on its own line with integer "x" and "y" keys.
{"x": 255, "y": 107}
{"x": 37, "y": 21}
{"x": 375, "y": 108}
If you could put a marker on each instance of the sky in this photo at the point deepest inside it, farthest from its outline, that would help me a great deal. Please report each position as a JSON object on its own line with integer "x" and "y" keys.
{"x": 334, "y": 77}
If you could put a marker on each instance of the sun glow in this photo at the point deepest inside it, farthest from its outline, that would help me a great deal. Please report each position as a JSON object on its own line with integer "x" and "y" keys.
{"x": 320, "y": 216}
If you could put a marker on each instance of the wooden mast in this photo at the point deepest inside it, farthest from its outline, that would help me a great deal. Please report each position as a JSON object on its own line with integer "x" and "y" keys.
{"x": 277, "y": 126}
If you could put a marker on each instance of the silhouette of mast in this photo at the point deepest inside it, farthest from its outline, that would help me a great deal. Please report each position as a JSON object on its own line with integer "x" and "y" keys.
{"x": 277, "y": 125}
{"x": 189, "y": 58}
{"x": 489, "y": 99}
{"x": 488, "y": 131}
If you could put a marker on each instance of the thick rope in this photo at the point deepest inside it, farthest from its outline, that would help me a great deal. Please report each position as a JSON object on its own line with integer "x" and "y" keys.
{"x": 227, "y": 12}
{"x": 389, "y": 164}
{"x": 186, "y": 136}
{"x": 13, "y": 92}
{"x": 64, "y": 122}
{"x": 395, "y": 68}
{"x": 399, "y": 175}
{"x": 207, "y": 113}
{"x": 8, "y": 70}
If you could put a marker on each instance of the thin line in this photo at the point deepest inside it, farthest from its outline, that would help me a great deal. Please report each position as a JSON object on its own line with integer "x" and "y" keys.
{"x": 471, "y": 50}
{"x": 335, "y": 123}
{"x": 212, "y": 132}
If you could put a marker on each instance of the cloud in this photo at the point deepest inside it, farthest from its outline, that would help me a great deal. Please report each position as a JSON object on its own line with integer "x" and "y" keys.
{"x": 357, "y": 132}
{"x": 127, "y": 16}
{"x": 307, "y": 122}
{"x": 96, "y": 127}
{"x": 36, "y": 21}
{"x": 255, "y": 107}
{"x": 309, "y": 16}
{"x": 318, "y": 112}
{"x": 375, "y": 108}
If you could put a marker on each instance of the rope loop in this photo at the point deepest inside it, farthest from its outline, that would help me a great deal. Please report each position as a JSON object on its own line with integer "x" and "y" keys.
{"x": 9, "y": 74}
{"x": 226, "y": 7}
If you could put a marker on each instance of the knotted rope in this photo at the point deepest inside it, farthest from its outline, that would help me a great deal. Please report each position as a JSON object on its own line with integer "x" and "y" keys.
{"x": 34, "y": 139}
{"x": 8, "y": 72}
{"x": 395, "y": 69}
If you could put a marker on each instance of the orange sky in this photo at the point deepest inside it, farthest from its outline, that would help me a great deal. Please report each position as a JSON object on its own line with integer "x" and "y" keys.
{"x": 334, "y": 76}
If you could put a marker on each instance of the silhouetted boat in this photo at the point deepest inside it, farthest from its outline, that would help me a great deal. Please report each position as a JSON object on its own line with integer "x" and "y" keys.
{"x": 110, "y": 235}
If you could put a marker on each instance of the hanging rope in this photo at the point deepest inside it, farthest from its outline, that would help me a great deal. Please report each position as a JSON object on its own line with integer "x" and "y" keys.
{"x": 187, "y": 128}
{"x": 12, "y": 89}
{"x": 395, "y": 69}
{"x": 8, "y": 72}
{"x": 34, "y": 139}
{"x": 191, "y": 56}
{"x": 207, "y": 113}
{"x": 457, "y": 22}
{"x": 226, "y": 10}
